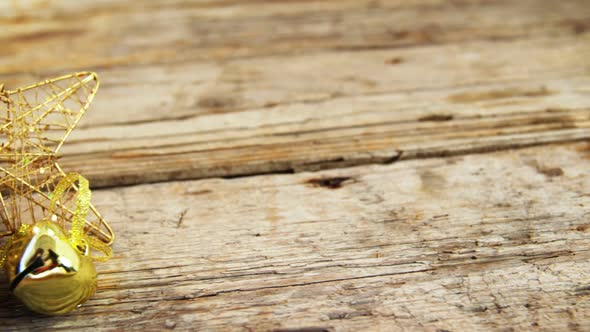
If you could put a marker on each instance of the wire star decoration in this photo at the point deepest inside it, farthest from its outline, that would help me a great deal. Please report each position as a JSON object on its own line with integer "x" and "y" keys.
{"x": 35, "y": 121}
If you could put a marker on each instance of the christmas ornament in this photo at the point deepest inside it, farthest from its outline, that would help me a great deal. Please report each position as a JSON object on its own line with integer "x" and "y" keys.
{"x": 52, "y": 233}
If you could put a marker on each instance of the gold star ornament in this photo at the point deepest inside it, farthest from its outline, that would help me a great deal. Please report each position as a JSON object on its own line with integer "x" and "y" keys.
{"x": 52, "y": 234}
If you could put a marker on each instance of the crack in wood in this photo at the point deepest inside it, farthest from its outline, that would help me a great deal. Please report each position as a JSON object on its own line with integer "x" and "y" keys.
{"x": 181, "y": 216}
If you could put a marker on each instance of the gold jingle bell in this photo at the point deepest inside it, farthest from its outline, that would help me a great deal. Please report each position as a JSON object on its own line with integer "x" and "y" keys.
{"x": 47, "y": 273}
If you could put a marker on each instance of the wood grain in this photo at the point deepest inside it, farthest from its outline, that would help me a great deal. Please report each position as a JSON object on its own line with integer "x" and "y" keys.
{"x": 328, "y": 165}
{"x": 477, "y": 242}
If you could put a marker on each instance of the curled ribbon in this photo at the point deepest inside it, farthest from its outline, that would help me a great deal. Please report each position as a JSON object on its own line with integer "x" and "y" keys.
{"x": 78, "y": 239}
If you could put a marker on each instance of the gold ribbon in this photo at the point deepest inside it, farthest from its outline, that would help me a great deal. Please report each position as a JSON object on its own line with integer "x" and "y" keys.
{"x": 78, "y": 239}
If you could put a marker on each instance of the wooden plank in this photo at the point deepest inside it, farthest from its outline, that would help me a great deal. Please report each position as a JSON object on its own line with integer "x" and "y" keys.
{"x": 477, "y": 242}
{"x": 59, "y": 35}
{"x": 307, "y": 112}
{"x": 334, "y": 132}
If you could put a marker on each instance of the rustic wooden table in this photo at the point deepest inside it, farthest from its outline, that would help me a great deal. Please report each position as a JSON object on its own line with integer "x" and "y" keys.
{"x": 334, "y": 165}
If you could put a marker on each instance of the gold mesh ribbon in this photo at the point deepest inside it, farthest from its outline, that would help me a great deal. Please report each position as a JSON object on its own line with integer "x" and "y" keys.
{"x": 78, "y": 238}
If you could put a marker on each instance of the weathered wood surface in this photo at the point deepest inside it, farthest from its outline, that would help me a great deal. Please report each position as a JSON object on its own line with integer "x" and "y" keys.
{"x": 477, "y": 242}
{"x": 195, "y": 89}
{"x": 202, "y": 89}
